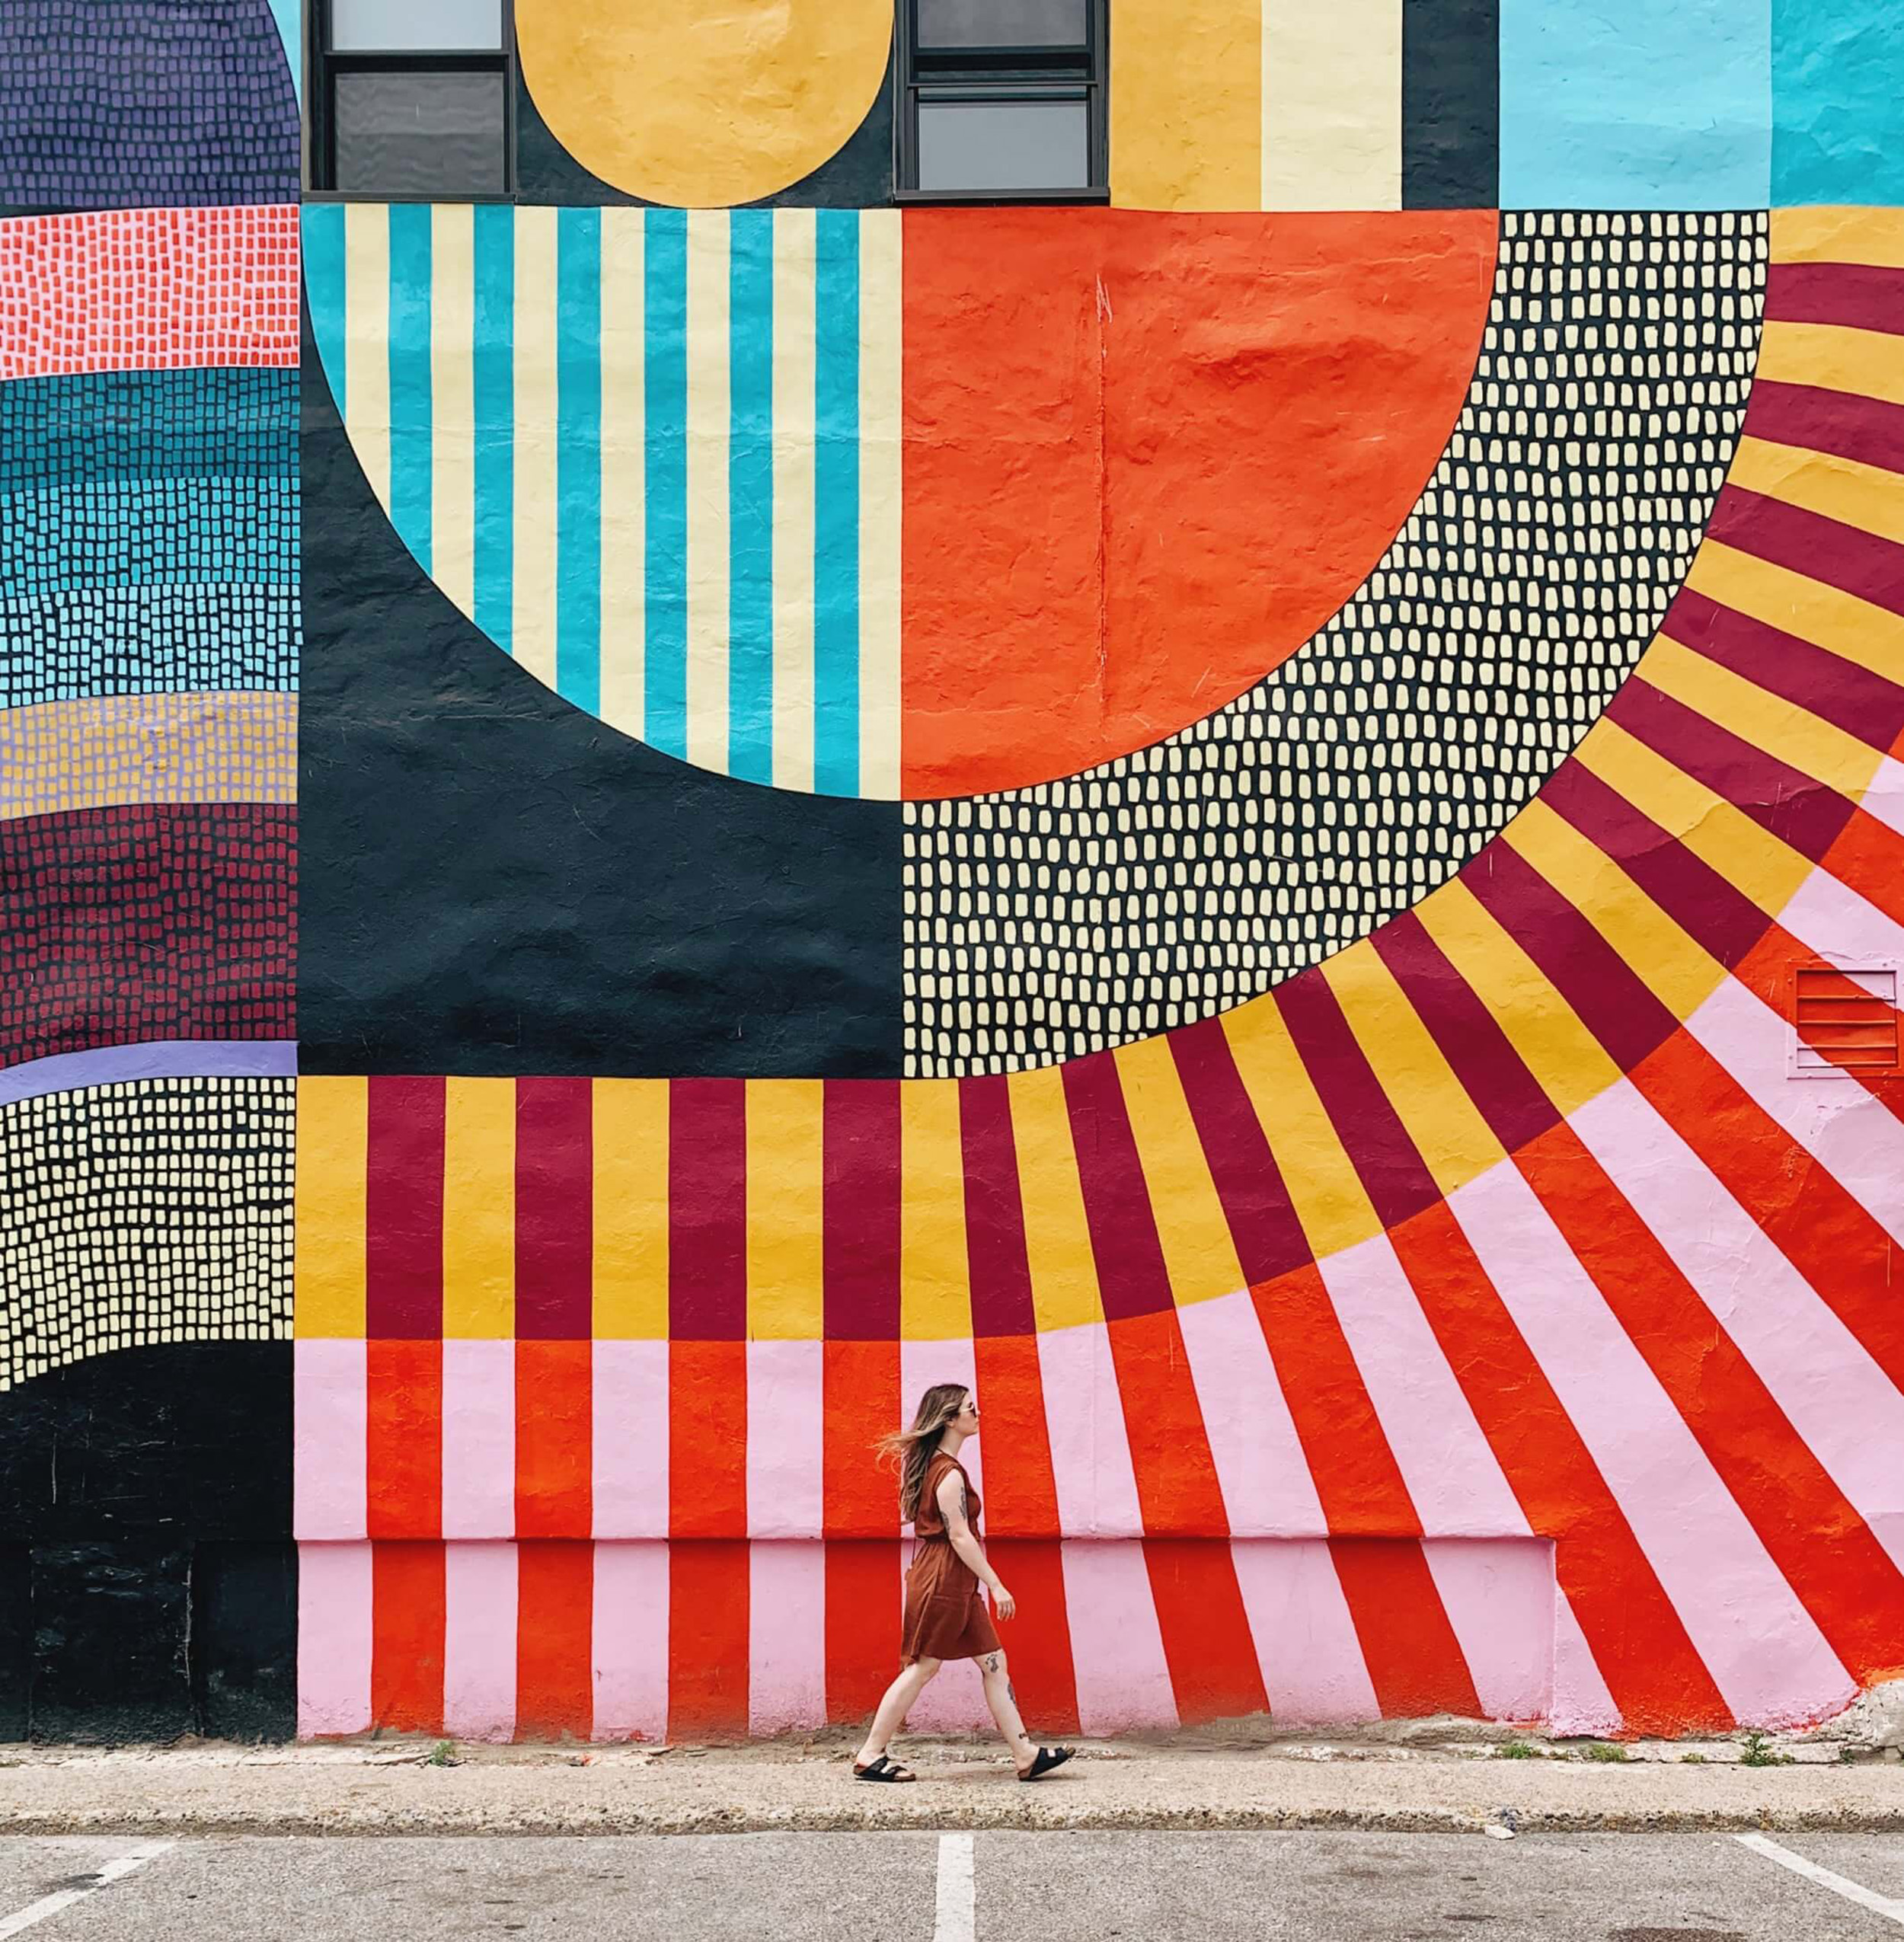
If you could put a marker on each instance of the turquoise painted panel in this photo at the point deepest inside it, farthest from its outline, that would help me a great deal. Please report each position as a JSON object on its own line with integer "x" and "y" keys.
{"x": 1838, "y": 101}
{"x": 1662, "y": 105}
{"x": 288, "y": 15}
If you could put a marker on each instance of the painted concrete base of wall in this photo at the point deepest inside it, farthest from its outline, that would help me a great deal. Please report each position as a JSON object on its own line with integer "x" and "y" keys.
{"x": 624, "y": 1640}
{"x": 110, "y": 1641}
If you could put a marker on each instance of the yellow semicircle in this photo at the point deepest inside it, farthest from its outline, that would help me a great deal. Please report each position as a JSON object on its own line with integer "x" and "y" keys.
{"x": 703, "y": 104}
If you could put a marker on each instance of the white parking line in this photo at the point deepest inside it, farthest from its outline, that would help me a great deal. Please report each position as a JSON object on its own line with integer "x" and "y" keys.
{"x": 1852, "y": 1891}
{"x": 51, "y": 1904}
{"x": 956, "y": 1919}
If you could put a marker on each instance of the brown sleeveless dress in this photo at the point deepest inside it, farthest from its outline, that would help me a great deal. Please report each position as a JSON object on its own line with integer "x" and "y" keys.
{"x": 945, "y": 1613}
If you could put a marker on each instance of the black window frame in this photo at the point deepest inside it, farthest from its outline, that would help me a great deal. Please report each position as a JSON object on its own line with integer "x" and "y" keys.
{"x": 993, "y": 74}
{"x": 323, "y": 65}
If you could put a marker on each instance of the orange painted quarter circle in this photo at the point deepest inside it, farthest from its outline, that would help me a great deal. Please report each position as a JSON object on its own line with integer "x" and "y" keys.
{"x": 1148, "y": 455}
{"x": 703, "y": 104}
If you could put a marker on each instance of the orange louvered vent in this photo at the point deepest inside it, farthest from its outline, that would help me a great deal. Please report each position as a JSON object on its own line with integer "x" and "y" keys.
{"x": 1847, "y": 1020}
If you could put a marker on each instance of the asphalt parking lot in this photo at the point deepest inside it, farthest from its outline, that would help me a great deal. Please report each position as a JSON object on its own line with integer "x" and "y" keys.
{"x": 960, "y": 1887}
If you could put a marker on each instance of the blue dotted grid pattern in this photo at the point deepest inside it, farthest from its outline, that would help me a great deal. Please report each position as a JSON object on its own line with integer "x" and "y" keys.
{"x": 149, "y": 533}
{"x": 125, "y": 104}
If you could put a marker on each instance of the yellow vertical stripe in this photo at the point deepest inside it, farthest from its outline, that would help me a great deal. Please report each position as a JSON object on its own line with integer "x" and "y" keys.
{"x": 709, "y": 421}
{"x": 1331, "y": 99}
{"x": 1324, "y": 1186}
{"x": 1750, "y": 858}
{"x": 1064, "y": 1271}
{"x": 786, "y": 1181}
{"x": 1840, "y": 623}
{"x": 1839, "y": 235}
{"x": 1186, "y": 104}
{"x": 881, "y": 309}
{"x": 1767, "y": 721}
{"x": 1199, "y": 1253}
{"x": 623, "y": 469}
{"x": 1822, "y": 483}
{"x": 332, "y": 1156}
{"x": 631, "y": 1180}
{"x": 935, "y": 1281}
{"x": 1566, "y": 1059}
{"x": 534, "y": 619}
{"x": 1834, "y": 357}
{"x": 452, "y": 401}
{"x": 479, "y": 1208}
{"x": 795, "y": 375}
{"x": 366, "y": 339}
{"x": 1454, "y": 1142}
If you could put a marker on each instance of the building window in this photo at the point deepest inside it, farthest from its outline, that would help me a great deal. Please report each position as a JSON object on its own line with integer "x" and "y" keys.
{"x": 1003, "y": 100}
{"x": 1844, "y": 1021}
{"x": 410, "y": 100}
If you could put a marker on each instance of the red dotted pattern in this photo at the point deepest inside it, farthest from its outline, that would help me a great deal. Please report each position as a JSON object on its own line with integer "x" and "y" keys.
{"x": 149, "y": 290}
{"x": 178, "y": 920}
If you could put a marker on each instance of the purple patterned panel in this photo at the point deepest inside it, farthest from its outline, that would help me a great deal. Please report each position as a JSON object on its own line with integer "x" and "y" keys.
{"x": 112, "y": 103}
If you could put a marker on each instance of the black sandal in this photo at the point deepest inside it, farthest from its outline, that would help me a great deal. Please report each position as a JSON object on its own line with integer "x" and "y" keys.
{"x": 884, "y": 1768}
{"x": 1048, "y": 1758}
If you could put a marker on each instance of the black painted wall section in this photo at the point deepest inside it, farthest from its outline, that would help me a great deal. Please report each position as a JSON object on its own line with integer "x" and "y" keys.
{"x": 244, "y": 1641}
{"x": 147, "y": 1587}
{"x": 112, "y": 1631}
{"x": 494, "y": 882}
{"x": 16, "y": 1640}
{"x": 1451, "y": 104}
{"x": 859, "y": 176}
{"x": 185, "y": 1442}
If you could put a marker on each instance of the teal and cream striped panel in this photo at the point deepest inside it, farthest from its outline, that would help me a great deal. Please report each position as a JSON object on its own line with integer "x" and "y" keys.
{"x": 653, "y": 454}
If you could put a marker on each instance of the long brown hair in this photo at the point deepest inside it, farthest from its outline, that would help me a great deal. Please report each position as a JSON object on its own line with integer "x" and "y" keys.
{"x": 910, "y": 1452}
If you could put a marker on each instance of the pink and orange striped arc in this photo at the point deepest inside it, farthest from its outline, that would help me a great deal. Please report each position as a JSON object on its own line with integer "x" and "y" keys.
{"x": 1484, "y": 1319}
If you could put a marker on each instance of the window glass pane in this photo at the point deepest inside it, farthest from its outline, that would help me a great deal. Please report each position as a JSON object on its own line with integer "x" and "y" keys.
{"x": 447, "y": 26}
{"x": 1002, "y": 23}
{"x": 1004, "y": 144}
{"x": 419, "y": 134}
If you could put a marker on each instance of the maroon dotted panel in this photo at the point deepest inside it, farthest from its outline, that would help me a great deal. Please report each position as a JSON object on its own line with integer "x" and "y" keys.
{"x": 177, "y": 920}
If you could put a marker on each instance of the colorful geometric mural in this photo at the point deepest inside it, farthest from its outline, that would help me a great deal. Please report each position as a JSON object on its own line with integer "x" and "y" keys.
{"x": 1507, "y": 1223}
{"x": 1267, "y": 823}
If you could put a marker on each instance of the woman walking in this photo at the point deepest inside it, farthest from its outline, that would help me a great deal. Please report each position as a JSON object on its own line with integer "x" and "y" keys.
{"x": 945, "y": 1614}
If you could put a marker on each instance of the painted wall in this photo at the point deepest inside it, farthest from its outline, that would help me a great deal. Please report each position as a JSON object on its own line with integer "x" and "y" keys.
{"x": 632, "y": 827}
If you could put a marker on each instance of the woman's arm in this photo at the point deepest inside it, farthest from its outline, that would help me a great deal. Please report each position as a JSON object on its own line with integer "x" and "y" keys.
{"x": 952, "y": 1506}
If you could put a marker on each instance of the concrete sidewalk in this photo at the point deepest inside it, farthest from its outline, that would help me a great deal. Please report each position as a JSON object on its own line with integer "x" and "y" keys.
{"x": 1438, "y": 1784}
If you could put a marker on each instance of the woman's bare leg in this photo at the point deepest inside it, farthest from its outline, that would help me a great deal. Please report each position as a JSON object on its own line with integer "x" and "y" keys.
{"x": 1004, "y": 1703}
{"x": 893, "y": 1708}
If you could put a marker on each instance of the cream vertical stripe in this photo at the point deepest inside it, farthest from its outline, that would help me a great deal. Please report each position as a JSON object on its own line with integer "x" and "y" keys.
{"x": 710, "y": 420}
{"x": 535, "y": 441}
{"x": 881, "y": 311}
{"x": 624, "y": 469}
{"x": 794, "y": 377}
{"x": 452, "y": 416}
{"x": 366, "y": 339}
{"x": 1332, "y": 104}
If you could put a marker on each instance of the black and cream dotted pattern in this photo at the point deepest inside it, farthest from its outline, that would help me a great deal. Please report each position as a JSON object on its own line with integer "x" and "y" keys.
{"x": 150, "y": 1211}
{"x": 1043, "y": 924}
